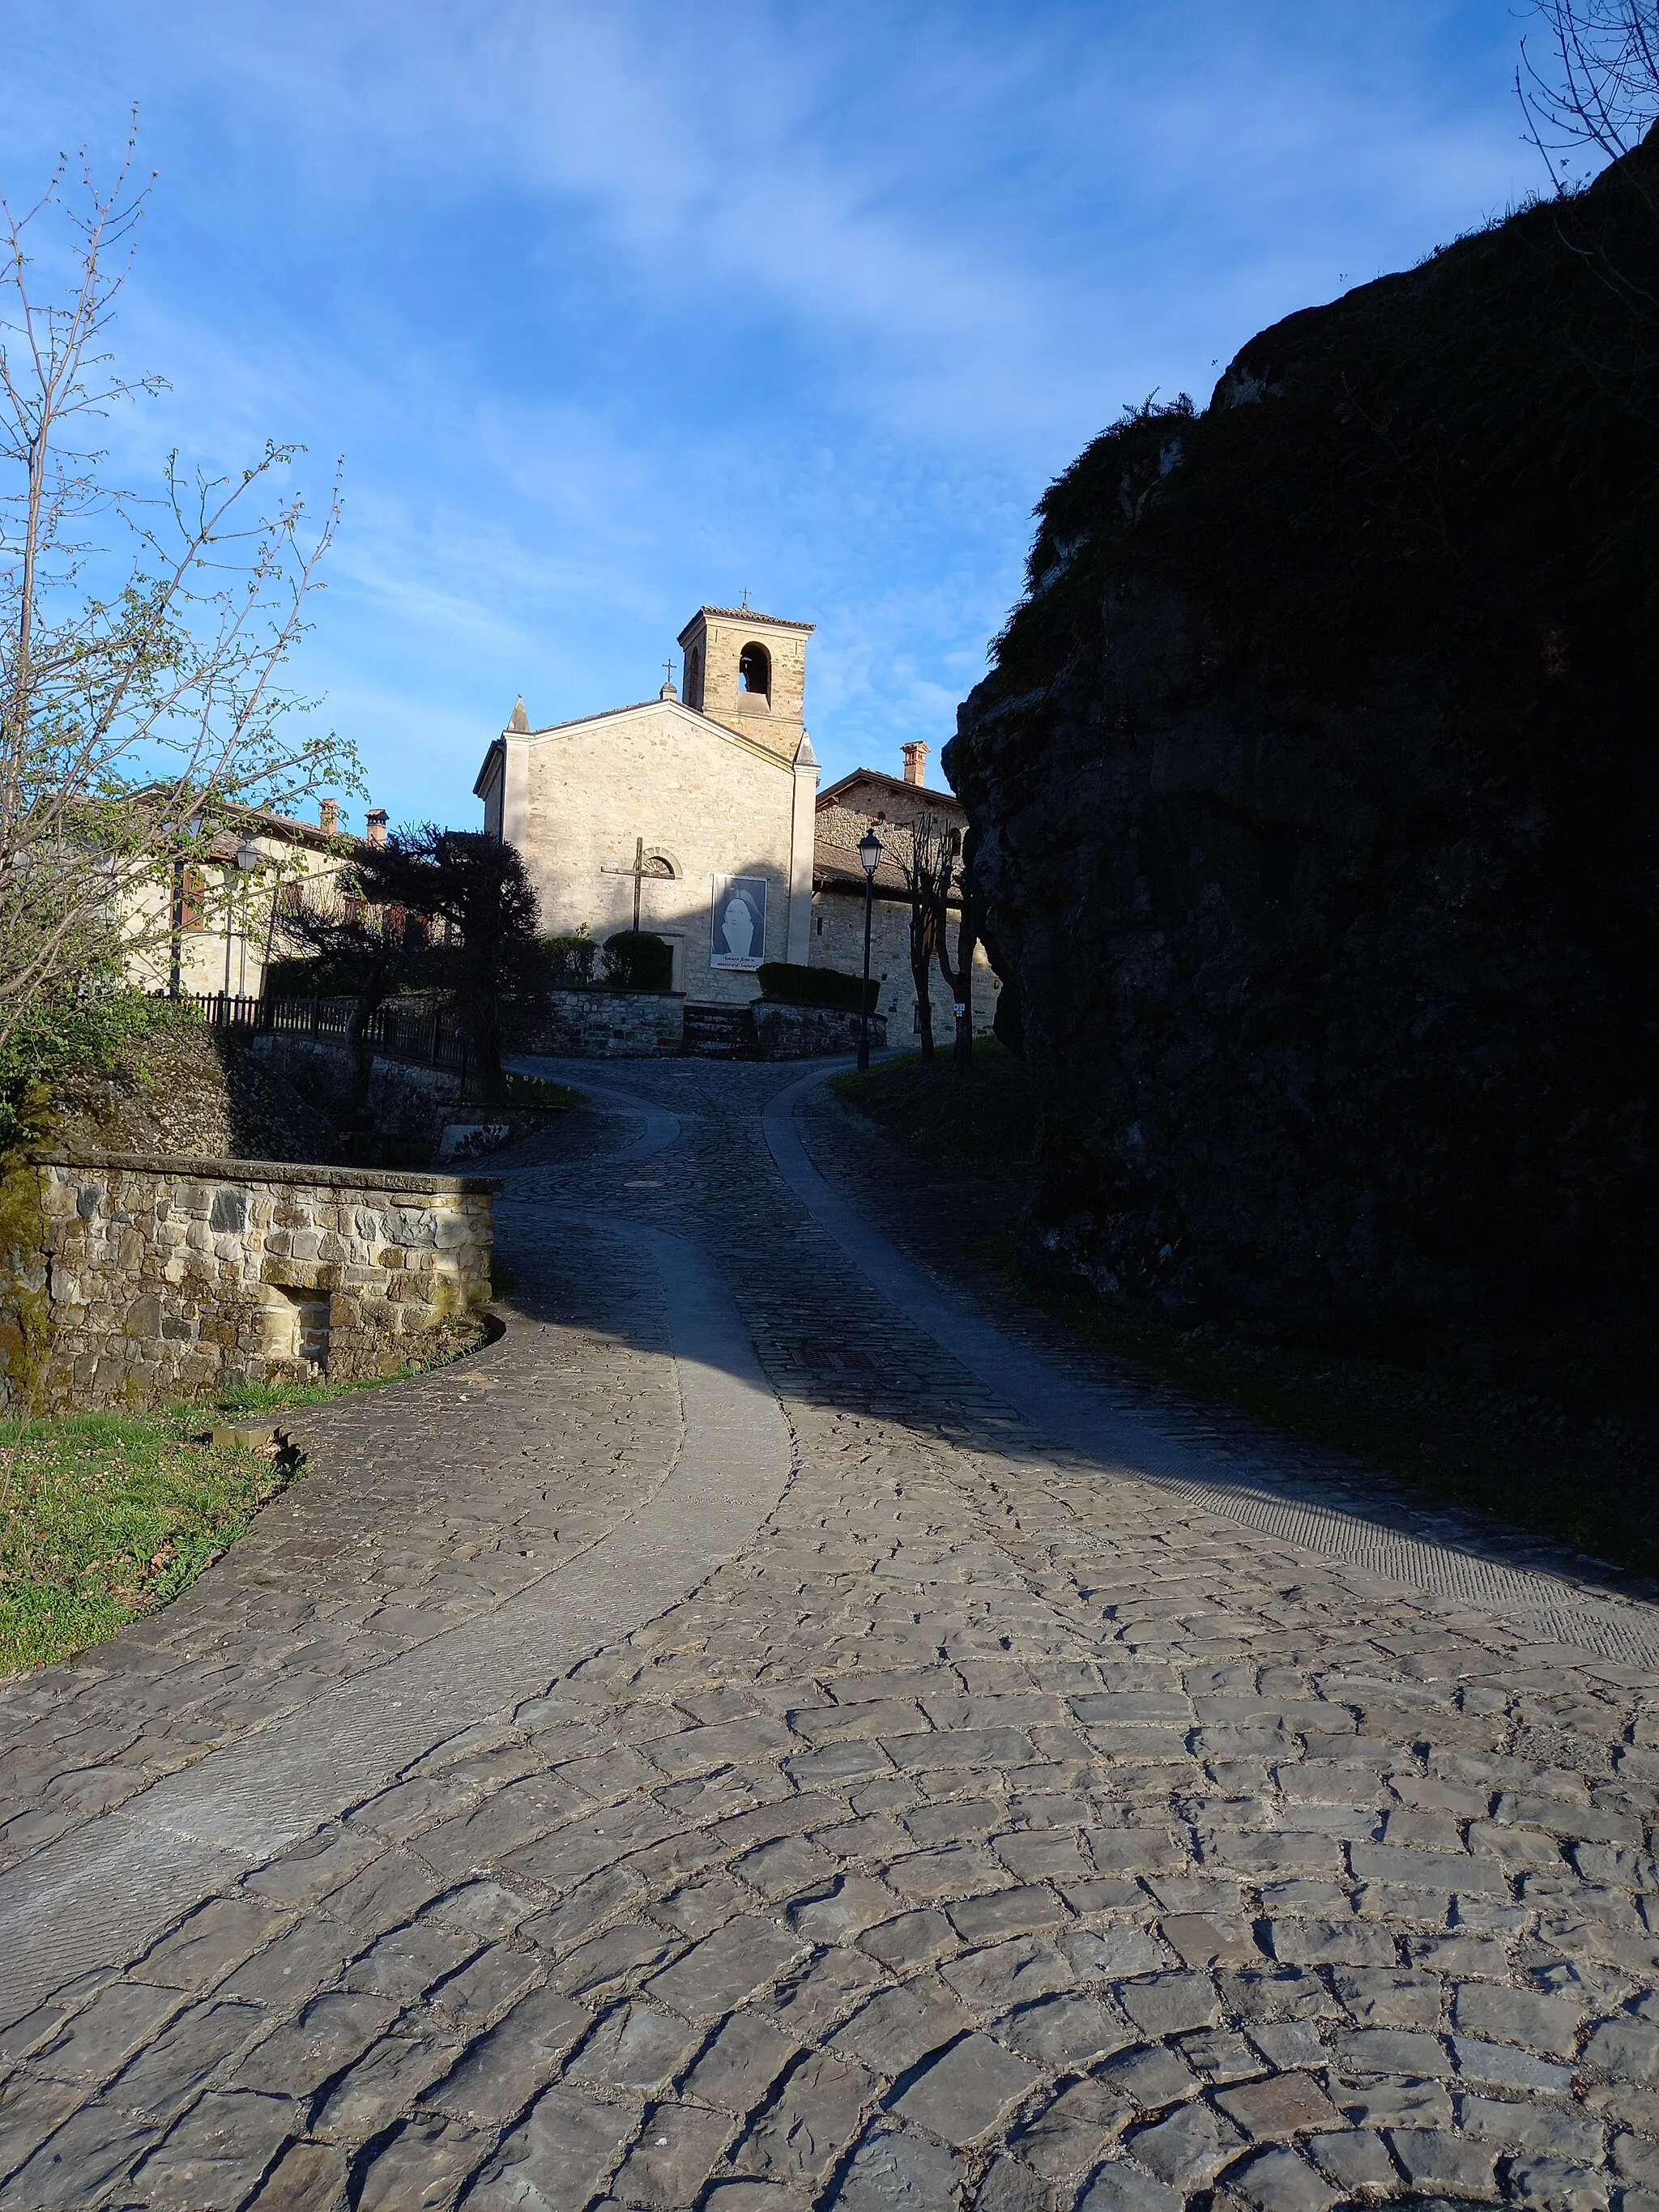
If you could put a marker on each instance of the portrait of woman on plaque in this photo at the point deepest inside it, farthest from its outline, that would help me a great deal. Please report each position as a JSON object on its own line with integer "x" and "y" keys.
{"x": 738, "y": 919}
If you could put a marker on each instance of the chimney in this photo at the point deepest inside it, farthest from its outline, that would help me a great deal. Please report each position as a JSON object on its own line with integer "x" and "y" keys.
{"x": 328, "y": 815}
{"x": 915, "y": 761}
{"x": 375, "y": 827}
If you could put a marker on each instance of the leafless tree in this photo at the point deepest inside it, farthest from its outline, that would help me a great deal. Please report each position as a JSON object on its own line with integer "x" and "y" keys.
{"x": 928, "y": 851}
{"x": 141, "y": 638}
{"x": 959, "y": 973}
{"x": 1590, "y": 97}
{"x": 1597, "y": 93}
{"x": 923, "y": 851}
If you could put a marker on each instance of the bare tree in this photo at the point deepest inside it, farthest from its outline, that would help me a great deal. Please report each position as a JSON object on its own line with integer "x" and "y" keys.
{"x": 958, "y": 974}
{"x": 1598, "y": 94}
{"x": 141, "y": 639}
{"x": 369, "y": 949}
{"x": 922, "y": 849}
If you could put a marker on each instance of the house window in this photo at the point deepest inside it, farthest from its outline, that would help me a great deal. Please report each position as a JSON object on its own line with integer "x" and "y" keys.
{"x": 192, "y": 900}
{"x": 755, "y": 671}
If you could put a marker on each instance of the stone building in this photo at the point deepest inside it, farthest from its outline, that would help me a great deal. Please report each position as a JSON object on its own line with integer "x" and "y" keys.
{"x": 214, "y": 926}
{"x": 691, "y": 817}
{"x": 868, "y": 799}
{"x": 699, "y": 818}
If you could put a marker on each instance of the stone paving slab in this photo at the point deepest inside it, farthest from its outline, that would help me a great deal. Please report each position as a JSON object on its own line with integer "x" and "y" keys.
{"x": 987, "y": 1830}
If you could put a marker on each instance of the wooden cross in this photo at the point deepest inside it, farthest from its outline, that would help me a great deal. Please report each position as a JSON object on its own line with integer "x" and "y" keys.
{"x": 642, "y": 870}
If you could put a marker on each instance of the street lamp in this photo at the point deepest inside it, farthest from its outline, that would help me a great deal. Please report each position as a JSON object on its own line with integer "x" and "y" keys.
{"x": 248, "y": 857}
{"x": 869, "y": 859}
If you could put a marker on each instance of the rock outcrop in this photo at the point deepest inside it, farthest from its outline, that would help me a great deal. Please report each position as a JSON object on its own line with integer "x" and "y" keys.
{"x": 1313, "y": 801}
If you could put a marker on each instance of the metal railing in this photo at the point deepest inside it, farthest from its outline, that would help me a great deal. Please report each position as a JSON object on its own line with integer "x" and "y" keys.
{"x": 427, "y": 1035}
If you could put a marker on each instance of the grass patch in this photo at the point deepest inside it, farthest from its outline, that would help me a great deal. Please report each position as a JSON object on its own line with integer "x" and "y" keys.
{"x": 987, "y": 1124}
{"x": 105, "y": 1517}
{"x": 1555, "y": 1437}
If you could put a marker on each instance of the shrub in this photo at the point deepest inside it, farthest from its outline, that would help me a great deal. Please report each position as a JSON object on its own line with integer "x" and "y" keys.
{"x": 572, "y": 961}
{"x": 790, "y": 985}
{"x": 638, "y": 960}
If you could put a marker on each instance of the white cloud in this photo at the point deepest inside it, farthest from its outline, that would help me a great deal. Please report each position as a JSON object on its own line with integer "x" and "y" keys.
{"x": 615, "y": 308}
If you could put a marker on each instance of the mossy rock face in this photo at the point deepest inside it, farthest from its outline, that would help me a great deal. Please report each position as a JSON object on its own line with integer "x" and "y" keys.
{"x": 1315, "y": 802}
{"x": 25, "y": 1301}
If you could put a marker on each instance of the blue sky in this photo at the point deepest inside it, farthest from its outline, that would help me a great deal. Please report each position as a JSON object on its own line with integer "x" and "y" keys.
{"x": 619, "y": 307}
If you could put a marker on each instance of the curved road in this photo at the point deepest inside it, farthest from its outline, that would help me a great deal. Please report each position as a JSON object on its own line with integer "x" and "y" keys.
{"x": 769, "y": 1733}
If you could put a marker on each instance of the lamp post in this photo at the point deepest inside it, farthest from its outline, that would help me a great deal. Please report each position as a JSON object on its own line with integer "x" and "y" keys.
{"x": 247, "y": 859}
{"x": 869, "y": 859}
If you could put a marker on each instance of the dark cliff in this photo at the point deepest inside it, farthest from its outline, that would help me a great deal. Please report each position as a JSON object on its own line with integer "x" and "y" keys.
{"x": 1313, "y": 797}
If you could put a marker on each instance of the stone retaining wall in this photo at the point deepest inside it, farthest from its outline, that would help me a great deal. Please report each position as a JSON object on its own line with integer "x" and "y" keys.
{"x": 647, "y": 1024}
{"x": 153, "y": 1278}
{"x": 408, "y": 1102}
{"x": 609, "y": 1024}
{"x": 811, "y": 1032}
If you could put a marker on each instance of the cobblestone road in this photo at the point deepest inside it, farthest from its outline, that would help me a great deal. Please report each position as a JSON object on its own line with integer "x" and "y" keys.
{"x": 984, "y": 1829}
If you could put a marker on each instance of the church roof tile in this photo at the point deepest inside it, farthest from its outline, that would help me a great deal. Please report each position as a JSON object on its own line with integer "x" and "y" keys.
{"x": 754, "y": 615}
{"x": 896, "y": 784}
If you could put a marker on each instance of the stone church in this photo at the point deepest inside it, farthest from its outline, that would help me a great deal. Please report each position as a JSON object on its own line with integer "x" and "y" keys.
{"x": 700, "y": 818}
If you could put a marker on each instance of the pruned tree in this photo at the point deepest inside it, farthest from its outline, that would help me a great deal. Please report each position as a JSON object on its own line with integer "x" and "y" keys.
{"x": 471, "y": 890}
{"x": 141, "y": 638}
{"x": 922, "y": 849}
{"x": 959, "y": 973}
{"x": 369, "y": 950}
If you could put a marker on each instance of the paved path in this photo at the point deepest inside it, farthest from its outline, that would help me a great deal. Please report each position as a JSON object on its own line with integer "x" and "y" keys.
{"x": 719, "y": 1747}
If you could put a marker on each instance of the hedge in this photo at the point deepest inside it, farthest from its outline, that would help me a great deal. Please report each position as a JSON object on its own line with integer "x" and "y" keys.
{"x": 790, "y": 985}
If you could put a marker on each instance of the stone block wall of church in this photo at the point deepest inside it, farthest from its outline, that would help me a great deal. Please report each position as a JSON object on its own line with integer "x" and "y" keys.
{"x": 838, "y": 942}
{"x": 708, "y": 806}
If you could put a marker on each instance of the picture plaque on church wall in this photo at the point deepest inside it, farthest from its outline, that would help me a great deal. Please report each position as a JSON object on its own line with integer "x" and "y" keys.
{"x": 737, "y": 922}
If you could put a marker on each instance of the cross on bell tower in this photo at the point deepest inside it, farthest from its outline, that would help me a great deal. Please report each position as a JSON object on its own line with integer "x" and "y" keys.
{"x": 748, "y": 671}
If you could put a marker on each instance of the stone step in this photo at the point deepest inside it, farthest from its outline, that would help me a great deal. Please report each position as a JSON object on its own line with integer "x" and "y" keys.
{"x": 718, "y": 1033}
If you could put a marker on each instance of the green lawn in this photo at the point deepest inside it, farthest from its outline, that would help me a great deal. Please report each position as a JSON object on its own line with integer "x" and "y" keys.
{"x": 987, "y": 1124}
{"x": 106, "y": 1516}
{"x": 1556, "y": 1434}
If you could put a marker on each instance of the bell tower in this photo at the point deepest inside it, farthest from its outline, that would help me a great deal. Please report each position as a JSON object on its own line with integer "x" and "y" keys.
{"x": 748, "y": 671}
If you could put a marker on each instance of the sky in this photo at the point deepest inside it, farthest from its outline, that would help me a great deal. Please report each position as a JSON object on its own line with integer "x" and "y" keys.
{"x": 614, "y": 307}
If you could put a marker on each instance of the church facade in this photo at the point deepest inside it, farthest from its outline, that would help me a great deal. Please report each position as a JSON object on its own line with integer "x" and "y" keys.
{"x": 692, "y": 818}
{"x": 699, "y": 818}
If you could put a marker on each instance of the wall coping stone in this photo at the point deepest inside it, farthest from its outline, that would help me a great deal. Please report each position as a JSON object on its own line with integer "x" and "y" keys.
{"x": 587, "y": 993}
{"x": 276, "y": 1171}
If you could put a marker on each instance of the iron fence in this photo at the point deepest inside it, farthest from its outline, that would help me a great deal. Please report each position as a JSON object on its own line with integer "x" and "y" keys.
{"x": 427, "y": 1036}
